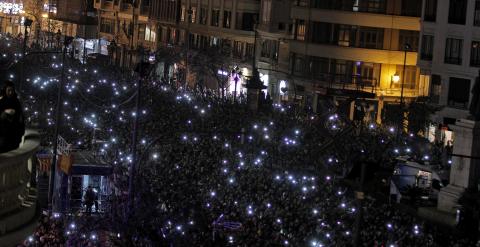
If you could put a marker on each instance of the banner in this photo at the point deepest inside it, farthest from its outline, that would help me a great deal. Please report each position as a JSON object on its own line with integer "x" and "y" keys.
{"x": 65, "y": 162}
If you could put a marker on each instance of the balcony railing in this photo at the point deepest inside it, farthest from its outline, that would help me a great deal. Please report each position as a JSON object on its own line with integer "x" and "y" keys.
{"x": 346, "y": 82}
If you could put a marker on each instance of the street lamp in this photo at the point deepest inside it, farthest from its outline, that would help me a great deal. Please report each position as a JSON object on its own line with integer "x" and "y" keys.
{"x": 396, "y": 78}
{"x": 26, "y": 23}
{"x": 67, "y": 41}
{"x": 406, "y": 48}
{"x": 143, "y": 69}
{"x": 236, "y": 73}
{"x": 187, "y": 40}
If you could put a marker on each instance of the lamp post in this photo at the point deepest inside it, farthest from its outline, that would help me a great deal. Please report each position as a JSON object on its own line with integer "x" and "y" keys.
{"x": 406, "y": 48}
{"x": 26, "y": 23}
{"x": 51, "y": 196}
{"x": 187, "y": 37}
{"x": 254, "y": 85}
{"x": 142, "y": 70}
{"x": 236, "y": 77}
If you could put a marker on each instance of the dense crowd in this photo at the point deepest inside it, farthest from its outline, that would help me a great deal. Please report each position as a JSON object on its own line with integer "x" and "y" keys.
{"x": 213, "y": 173}
{"x": 48, "y": 232}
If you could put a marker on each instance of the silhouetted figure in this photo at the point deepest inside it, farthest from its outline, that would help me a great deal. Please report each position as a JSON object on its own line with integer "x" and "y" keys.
{"x": 12, "y": 125}
{"x": 89, "y": 199}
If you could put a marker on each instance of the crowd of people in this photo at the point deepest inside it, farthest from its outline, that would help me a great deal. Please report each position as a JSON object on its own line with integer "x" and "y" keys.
{"x": 210, "y": 172}
{"x": 48, "y": 232}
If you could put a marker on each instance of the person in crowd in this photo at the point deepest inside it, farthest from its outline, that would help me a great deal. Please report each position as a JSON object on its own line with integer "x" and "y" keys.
{"x": 12, "y": 123}
{"x": 89, "y": 200}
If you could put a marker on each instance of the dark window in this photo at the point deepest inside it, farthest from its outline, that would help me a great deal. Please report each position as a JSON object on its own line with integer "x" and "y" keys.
{"x": 427, "y": 48}
{"x": 457, "y": 12}
{"x": 371, "y": 6}
{"x": 453, "y": 51}
{"x": 281, "y": 26}
{"x": 412, "y": 8}
{"x": 430, "y": 13}
{"x": 270, "y": 49}
{"x": 203, "y": 16}
{"x": 408, "y": 37}
{"x": 227, "y": 16}
{"x": 238, "y": 49}
{"x": 458, "y": 92}
{"x": 320, "y": 68}
{"x": 246, "y": 21}
{"x": 226, "y": 46}
{"x": 346, "y": 5}
{"x": 475, "y": 54}
{"x": 320, "y": 32}
{"x": 298, "y": 65}
{"x": 215, "y": 17}
{"x": 436, "y": 88}
{"x": 476, "y": 14}
{"x": 106, "y": 26}
{"x": 345, "y": 35}
{"x": 342, "y": 70}
{"x": 371, "y": 38}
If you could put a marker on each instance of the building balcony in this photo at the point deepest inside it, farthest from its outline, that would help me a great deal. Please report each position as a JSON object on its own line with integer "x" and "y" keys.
{"x": 353, "y": 53}
{"x": 17, "y": 192}
{"x": 145, "y": 10}
{"x": 126, "y": 7}
{"x": 105, "y": 4}
{"x": 356, "y": 18}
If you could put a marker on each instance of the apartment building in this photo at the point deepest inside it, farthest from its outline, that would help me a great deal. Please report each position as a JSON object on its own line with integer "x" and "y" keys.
{"x": 306, "y": 50}
{"x": 450, "y": 57}
{"x": 119, "y": 23}
{"x": 338, "y": 48}
{"x": 76, "y": 19}
{"x": 226, "y": 25}
{"x": 11, "y": 17}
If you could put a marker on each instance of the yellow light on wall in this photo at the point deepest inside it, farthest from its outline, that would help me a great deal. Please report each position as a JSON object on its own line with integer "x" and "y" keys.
{"x": 45, "y": 15}
{"x": 396, "y": 78}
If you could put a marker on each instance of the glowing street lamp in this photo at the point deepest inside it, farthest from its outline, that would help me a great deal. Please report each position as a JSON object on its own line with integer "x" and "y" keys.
{"x": 396, "y": 78}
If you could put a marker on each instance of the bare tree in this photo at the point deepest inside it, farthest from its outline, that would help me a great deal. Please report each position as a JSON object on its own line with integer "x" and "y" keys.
{"x": 34, "y": 10}
{"x": 207, "y": 63}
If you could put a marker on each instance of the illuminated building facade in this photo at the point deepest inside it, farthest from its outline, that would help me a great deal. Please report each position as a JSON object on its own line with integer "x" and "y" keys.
{"x": 450, "y": 57}
{"x": 11, "y": 16}
{"x": 306, "y": 50}
{"x": 334, "y": 49}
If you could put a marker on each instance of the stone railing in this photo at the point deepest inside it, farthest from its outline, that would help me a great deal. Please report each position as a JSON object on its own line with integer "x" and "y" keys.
{"x": 16, "y": 186}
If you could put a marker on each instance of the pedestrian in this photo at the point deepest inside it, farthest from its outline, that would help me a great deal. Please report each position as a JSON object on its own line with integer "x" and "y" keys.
{"x": 89, "y": 199}
{"x": 12, "y": 125}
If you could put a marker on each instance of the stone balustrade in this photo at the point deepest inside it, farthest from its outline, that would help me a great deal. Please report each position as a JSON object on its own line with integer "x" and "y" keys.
{"x": 17, "y": 193}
